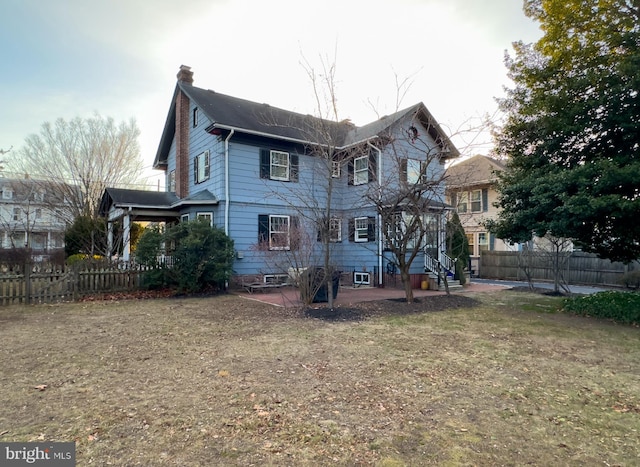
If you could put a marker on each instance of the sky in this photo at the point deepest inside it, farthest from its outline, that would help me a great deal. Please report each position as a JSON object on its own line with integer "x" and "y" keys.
{"x": 119, "y": 58}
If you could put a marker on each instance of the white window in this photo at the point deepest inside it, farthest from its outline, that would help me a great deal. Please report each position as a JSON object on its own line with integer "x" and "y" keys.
{"x": 361, "y": 170}
{"x": 172, "y": 181}
{"x": 472, "y": 243}
{"x": 335, "y": 169}
{"x": 207, "y": 216}
{"x": 279, "y": 165}
{"x": 38, "y": 213}
{"x": 184, "y": 218}
{"x": 17, "y": 213}
{"x": 37, "y": 196}
{"x": 335, "y": 229}
{"x": 463, "y": 201}
{"x": 476, "y": 201}
{"x": 279, "y": 233}
{"x": 7, "y": 193}
{"x": 483, "y": 241}
{"x": 361, "y": 231}
{"x": 201, "y": 167}
{"x": 414, "y": 171}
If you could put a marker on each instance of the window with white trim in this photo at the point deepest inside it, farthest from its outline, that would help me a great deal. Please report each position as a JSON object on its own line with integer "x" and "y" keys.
{"x": 279, "y": 232}
{"x": 414, "y": 171}
{"x": 7, "y": 193}
{"x": 335, "y": 229}
{"x": 201, "y": 167}
{"x": 483, "y": 241}
{"x": 184, "y": 218}
{"x": 38, "y": 213}
{"x": 208, "y": 216}
{"x": 17, "y": 214}
{"x": 463, "y": 201}
{"x": 476, "y": 201}
{"x": 172, "y": 181}
{"x": 335, "y": 169}
{"x": 196, "y": 114}
{"x": 361, "y": 170}
{"x": 279, "y": 165}
{"x": 361, "y": 229}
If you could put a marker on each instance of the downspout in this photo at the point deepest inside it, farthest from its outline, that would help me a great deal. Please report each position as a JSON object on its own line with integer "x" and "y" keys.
{"x": 380, "y": 240}
{"x": 226, "y": 181}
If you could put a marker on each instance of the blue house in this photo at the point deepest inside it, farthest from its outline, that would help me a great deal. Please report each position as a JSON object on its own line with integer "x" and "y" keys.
{"x": 272, "y": 179}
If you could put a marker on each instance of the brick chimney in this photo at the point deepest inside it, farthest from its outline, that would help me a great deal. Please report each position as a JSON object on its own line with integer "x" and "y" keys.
{"x": 185, "y": 75}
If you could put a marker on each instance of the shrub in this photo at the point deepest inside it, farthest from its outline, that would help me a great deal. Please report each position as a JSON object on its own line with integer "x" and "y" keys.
{"x": 621, "y": 307}
{"x": 631, "y": 280}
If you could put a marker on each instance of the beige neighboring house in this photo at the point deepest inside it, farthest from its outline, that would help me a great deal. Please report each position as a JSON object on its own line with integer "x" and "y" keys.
{"x": 470, "y": 190}
{"x": 29, "y": 216}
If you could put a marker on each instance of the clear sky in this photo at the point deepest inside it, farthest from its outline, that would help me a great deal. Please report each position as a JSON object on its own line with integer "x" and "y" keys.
{"x": 119, "y": 58}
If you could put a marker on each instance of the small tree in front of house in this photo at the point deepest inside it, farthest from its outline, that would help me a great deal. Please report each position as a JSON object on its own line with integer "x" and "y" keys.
{"x": 457, "y": 246}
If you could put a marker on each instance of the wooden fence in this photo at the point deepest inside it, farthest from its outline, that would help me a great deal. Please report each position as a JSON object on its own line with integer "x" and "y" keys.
{"x": 580, "y": 268}
{"x": 70, "y": 284}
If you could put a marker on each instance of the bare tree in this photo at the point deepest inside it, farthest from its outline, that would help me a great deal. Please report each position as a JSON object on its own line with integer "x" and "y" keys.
{"x": 80, "y": 158}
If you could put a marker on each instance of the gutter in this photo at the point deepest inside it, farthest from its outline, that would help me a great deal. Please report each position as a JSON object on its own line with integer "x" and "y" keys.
{"x": 227, "y": 201}
{"x": 380, "y": 240}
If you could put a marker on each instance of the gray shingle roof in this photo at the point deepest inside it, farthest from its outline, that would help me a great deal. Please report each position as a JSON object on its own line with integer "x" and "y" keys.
{"x": 227, "y": 112}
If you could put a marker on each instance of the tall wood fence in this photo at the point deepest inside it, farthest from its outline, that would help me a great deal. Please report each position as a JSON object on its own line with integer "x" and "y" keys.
{"x": 69, "y": 284}
{"x": 580, "y": 268}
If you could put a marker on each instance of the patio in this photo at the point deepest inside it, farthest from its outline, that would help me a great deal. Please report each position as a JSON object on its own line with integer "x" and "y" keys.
{"x": 290, "y": 296}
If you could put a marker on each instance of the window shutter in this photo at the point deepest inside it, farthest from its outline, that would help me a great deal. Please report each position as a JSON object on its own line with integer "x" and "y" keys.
{"x": 195, "y": 169}
{"x": 403, "y": 170}
{"x": 485, "y": 199}
{"x": 265, "y": 163}
{"x": 293, "y": 170}
{"x": 373, "y": 166}
{"x": 454, "y": 199}
{"x": 294, "y": 233}
{"x": 352, "y": 230}
{"x": 371, "y": 229}
{"x": 263, "y": 228}
{"x": 350, "y": 171}
{"x": 423, "y": 172}
{"x": 492, "y": 242}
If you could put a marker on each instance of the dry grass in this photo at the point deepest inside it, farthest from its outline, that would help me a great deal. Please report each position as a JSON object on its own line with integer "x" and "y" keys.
{"x": 227, "y": 381}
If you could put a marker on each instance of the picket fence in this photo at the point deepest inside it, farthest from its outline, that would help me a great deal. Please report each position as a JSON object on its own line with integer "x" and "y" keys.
{"x": 69, "y": 284}
{"x": 580, "y": 268}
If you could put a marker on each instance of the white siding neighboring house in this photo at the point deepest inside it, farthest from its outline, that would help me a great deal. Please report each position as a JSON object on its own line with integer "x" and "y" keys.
{"x": 28, "y": 217}
{"x": 470, "y": 189}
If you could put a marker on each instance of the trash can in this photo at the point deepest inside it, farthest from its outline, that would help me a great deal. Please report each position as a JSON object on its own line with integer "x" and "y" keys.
{"x": 317, "y": 282}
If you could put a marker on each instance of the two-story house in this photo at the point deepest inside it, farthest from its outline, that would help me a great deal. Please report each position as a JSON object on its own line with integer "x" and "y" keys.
{"x": 262, "y": 173}
{"x": 471, "y": 191}
{"x": 28, "y": 215}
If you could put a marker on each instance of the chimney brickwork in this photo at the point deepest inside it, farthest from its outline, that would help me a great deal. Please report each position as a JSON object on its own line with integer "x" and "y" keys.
{"x": 185, "y": 75}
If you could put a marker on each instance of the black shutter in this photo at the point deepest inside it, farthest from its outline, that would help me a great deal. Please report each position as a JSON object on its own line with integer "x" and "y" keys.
{"x": 492, "y": 242}
{"x": 403, "y": 170}
{"x": 373, "y": 166}
{"x": 263, "y": 228}
{"x": 195, "y": 169}
{"x": 485, "y": 199}
{"x": 294, "y": 233}
{"x": 352, "y": 230}
{"x": 350, "y": 171}
{"x": 294, "y": 169}
{"x": 371, "y": 229}
{"x": 265, "y": 163}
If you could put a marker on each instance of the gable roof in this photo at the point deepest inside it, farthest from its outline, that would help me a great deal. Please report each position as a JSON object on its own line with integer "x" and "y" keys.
{"x": 477, "y": 170}
{"x": 244, "y": 116}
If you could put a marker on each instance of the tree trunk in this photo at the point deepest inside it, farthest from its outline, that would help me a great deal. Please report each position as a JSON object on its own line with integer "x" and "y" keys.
{"x": 406, "y": 282}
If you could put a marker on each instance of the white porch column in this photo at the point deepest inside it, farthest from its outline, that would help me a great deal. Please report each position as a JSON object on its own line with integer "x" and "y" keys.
{"x": 127, "y": 237}
{"x": 109, "y": 239}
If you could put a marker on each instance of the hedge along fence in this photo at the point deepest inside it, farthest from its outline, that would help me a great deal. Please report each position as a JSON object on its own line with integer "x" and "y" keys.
{"x": 580, "y": 268}
{"x": 69, "y": 284}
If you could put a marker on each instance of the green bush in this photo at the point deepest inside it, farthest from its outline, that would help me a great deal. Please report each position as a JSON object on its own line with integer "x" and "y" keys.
{"x": 621, "y": 307}
{"x": 202, "y": 257}
{"x": 631, "y": 280}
